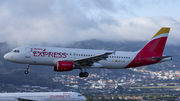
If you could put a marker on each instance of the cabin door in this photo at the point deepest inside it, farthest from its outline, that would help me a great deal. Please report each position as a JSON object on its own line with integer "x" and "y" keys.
{"x": 28, "y": 52}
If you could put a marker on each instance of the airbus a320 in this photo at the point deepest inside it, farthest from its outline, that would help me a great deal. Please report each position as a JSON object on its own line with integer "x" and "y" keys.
{"x": 42, "y": 96}
{"x": 67, "y": 59}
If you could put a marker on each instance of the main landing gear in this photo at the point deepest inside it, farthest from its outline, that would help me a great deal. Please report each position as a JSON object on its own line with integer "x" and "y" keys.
{"x": 83, "y": 74}
{"x": 27, "y": 70}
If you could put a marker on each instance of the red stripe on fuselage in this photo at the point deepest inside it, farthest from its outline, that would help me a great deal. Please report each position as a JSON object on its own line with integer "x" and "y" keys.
{"x": 152, "y": 49}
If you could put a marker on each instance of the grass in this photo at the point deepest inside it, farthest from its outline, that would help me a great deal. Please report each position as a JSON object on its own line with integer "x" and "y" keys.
{"x": 156, "y": 87}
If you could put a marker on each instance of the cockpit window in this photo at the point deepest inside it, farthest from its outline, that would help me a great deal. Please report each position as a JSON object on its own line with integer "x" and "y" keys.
{"x": 16, "y": 51}
{"x": 79, "y": 95}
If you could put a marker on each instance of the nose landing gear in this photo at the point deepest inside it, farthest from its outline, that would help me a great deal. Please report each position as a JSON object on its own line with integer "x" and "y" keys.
{"x": 27, "y": 70}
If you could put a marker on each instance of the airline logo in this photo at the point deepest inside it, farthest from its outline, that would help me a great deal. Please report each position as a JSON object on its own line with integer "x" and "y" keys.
{"x": 163, "y": 32}
{"x": 64, "y": 96}
{"x": 39, "y": 52}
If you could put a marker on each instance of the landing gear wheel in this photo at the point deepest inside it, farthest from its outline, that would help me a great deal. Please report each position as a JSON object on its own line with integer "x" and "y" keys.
{"x": 81, "y": 74}
{"x": 86, "y": 74}
{"x": 26, "y": 71}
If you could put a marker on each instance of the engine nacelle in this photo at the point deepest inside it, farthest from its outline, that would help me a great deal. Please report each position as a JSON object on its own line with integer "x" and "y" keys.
{"x": 63, "y": 66}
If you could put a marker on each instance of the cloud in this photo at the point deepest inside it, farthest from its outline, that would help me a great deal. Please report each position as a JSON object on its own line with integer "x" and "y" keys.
{"x": 64, "y": 22}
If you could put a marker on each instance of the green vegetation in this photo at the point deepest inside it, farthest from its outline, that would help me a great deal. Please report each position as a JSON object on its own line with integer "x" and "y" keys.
{"x": 18, "y": 78}
{"x": 155, "y": 87}
{"x": 123, "y": 97}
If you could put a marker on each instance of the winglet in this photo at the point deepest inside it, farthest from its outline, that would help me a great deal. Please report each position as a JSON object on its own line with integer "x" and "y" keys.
{"x": 114, "y": 52}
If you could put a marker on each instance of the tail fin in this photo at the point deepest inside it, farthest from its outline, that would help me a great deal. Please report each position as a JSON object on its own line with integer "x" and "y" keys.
{"x": 152, "y": 52}
{"x": 157, "y": 43}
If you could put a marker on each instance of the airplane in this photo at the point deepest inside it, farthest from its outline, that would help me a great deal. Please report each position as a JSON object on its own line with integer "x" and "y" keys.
{"x": 67, "y": 59}
{"x": 42, "y": 96}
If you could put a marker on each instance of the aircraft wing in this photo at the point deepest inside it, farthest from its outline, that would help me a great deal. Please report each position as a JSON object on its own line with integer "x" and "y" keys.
{"x": 88, "y": 61}
{"x": 27, "y": 99}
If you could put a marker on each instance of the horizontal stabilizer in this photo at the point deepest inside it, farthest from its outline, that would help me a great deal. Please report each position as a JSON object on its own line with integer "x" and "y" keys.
{"x": 156, "y": 58}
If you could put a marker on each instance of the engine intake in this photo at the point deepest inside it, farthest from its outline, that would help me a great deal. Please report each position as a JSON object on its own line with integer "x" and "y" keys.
{"x": 63, "y": 66}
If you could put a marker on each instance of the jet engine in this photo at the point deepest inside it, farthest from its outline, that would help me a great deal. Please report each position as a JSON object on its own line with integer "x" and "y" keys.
{"x": 64, "y": 66}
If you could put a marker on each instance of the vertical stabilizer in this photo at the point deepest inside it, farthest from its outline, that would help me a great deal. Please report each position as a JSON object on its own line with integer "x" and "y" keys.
{"x": 152, "y": 52}
{"x": 157, "y": 43}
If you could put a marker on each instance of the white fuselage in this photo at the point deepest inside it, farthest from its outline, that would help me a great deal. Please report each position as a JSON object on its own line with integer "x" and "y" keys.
{"x": 67, "y": 59}
{"x": 51, "y": 55}
{"x": 42, "y": 96}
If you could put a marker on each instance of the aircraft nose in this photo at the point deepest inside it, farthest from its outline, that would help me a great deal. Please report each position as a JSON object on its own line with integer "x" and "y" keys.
{"x": 6, "y": 56}
{"x": 84, "y": 99}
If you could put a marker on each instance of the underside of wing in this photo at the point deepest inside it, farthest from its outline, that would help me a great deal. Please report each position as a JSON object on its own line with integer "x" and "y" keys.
{"x": 89, "y": 61}
{"x": 27, "y": 99}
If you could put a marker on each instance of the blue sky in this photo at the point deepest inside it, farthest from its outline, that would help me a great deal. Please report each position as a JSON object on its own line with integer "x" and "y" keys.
{"x": 64, "y": 22}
